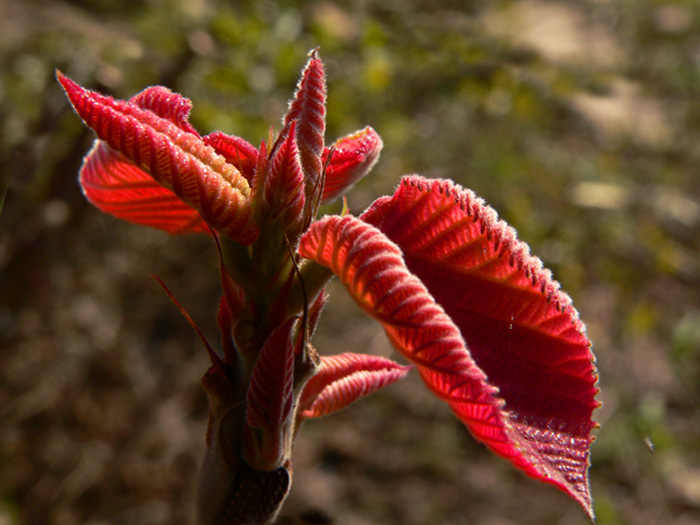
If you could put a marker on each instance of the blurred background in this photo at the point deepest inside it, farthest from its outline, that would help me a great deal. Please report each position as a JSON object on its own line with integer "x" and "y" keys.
{"x": 578, "y": 121}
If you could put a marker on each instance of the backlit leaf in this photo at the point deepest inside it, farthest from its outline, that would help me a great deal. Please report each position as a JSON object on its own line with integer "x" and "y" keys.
{"x": 353, "y": 157}
{"x": 345, "y": 378}
{"x": 372, "y": 269}
{"x": 174, "y": 157}
{"x": 116, "y": 186}
{"x": 520, "y": 328}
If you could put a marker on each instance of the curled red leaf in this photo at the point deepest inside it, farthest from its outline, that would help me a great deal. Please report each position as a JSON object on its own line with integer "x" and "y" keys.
{"x": 166, "y": 104}
{"x": 237, "y": 152}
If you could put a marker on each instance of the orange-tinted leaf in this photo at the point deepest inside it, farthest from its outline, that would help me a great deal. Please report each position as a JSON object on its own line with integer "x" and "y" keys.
{"x": 174, "y": 157}
{"x": 520, "y": 328}
{"x": 345, "y": 378}
{"x": 353, "y": 157}
{"x": 116, "y": 186}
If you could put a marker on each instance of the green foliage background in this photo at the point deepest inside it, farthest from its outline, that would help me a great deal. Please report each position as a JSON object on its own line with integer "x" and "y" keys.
{"x": 578, "y": 121}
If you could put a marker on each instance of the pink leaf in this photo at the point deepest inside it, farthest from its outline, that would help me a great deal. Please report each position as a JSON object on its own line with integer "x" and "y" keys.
{"x": 174, "y": 157}
{"x": 345, "y": 378}
{"x": 116, "y": 186}
{"x": 308, "y": 108}
{"x": 520, "y": 328}
{"x": 353, "y": 157}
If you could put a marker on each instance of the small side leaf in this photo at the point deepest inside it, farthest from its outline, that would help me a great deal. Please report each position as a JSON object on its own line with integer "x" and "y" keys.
{"x": 345, "y": 378}
{"x": 267, "y": 430}
{"x": 353, "y": 156}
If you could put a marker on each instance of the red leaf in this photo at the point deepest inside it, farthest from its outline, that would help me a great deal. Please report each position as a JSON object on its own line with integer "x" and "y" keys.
{"x": 116, "y": 186}
{"x": 174, "y": 157}
{"x": 270, "y": 391}
{"x": 308, "y": 108}
{"x": 372, "y": 269}
{"x": 353, "y": 157}
{"x": 520, "y": 328}
{"x": 283, "y": 186}
{"x": 345, "y": 378}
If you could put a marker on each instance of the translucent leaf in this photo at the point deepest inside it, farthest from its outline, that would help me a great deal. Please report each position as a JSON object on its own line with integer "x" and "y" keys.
{"x": 174, "y": 157}
{"x": 345, "y": 378}
{"x": 116, "y": 186}
{"x": 520, "y": 328}
{"x": 353, "y": 157}
{"x": 372, "y": 269}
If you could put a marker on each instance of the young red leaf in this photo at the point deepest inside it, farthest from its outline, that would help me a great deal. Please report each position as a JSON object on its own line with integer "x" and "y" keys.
{"x": 372, "y": 268}
{"x": 353, "y": 156}
{"x": 166, "y": 104}
{"x": 269, "y": 400}
{"x": 237, "y": 152}
{"x": 175, "y": 158}
{"x": 283, "y": 186}
{"x": 116, "y": 186}
{"x": 308, "y": 108}
{"x": 520, "y": 328}
{"x": 270, "y": 392}
{"x": 345, "y": 378}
